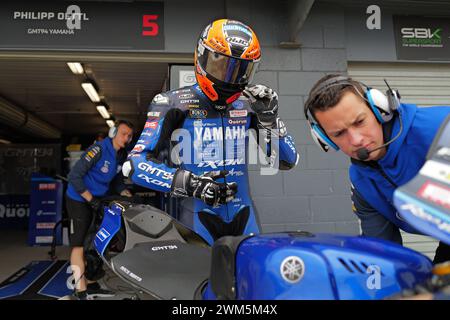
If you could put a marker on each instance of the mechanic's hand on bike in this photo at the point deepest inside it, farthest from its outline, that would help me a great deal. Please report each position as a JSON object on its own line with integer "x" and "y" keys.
{"x": 204, "y": 187}
{"x": 95, "y": 203}
{"x": 264, "y": 102}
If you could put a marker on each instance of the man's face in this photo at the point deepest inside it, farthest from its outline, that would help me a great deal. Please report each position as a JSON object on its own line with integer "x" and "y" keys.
{"x": 352, "y": 125}
{"x": 124, "y": 133}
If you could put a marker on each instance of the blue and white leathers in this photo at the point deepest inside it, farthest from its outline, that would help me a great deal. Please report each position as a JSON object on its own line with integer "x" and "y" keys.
{"x": 206, "y": 140}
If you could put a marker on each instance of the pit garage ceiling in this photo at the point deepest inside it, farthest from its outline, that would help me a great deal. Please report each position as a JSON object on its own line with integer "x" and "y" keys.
{"x": 49, "y": 90}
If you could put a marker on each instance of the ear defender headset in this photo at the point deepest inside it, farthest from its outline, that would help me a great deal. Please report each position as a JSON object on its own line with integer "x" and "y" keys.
{"x": 382, "y": 106}
{"x": 113, "y": 130}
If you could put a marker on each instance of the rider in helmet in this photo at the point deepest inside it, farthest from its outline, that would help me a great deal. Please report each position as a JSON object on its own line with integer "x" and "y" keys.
{"x": 209, "y": 175}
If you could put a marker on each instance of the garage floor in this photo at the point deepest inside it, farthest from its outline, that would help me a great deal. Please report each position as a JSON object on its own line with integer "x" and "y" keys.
{"x": 15, "y": 254}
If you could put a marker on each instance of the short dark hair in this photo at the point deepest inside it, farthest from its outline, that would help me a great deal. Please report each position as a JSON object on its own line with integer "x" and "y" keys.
{"x": 125, "y": 122}
{"x": 322, "y": 98}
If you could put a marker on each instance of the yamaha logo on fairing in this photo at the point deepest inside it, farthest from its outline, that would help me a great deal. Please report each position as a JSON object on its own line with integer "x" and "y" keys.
{"x": 292, "y": 269}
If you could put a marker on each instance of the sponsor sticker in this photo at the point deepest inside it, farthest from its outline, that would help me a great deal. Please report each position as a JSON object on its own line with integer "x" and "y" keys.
{"x": 92, "y": 153}
{"x": 44, "y": 239}
{"x": 436, "y": 170}
{"x": 198, "y": 113}
{"x": 47, "y": 186}
{"x": 435, "y": 193}
{"x": 186, "y": 96}
{"x": 160, "y": 99}
{"x": 102, "y": 234}
{"x": 237, "y": 122}
{"x": 45, "y": 225}
{"x": 151, "y": 125}
{"x": 153, "y": 114}
{"x": 238, "y": 113}
{"x": 139, "y": 148}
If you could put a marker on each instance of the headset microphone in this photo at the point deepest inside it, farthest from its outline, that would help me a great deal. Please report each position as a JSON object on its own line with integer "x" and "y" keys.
{"x": 363, "y": 154}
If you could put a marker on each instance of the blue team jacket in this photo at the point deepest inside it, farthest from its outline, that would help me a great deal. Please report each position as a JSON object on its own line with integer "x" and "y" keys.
{"x": 403, "y": 160}
{"x": 94, "y": 171}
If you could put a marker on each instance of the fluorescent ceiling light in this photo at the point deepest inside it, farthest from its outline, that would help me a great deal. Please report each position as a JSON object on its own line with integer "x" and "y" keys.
{"x": 103, "y": 111}
{"x": 110, "y": 123}
{"x": 76, "y": 67}
{"x": 90, "y": 91}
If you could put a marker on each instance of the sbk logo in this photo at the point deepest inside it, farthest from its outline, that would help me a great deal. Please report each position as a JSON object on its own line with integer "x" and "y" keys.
{"x": 420, "y": 33}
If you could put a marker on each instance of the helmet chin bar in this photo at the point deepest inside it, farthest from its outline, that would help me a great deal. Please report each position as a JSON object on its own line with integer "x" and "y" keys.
{"x": 228, "y": 93}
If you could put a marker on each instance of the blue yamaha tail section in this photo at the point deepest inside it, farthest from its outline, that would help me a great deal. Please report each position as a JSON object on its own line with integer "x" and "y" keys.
{"x": 110, "y": 226}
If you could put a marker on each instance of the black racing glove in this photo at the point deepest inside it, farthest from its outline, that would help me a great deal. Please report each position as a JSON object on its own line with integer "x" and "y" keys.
{"x": 95, "y": 204}
{"x": 264, "y": 102}
{"x": 203, "y": 187}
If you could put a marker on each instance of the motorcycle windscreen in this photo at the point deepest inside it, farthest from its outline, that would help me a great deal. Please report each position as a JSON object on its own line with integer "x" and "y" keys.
{"x": 424, "y": 202}
{"x": 165, "y": 269}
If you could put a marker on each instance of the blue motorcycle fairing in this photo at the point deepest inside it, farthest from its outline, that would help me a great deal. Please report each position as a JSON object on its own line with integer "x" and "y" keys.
{"x": 111, "y": 223}
{"x": 333, "y": 267}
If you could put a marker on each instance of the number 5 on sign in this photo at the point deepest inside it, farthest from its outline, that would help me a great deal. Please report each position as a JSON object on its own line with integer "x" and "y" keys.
{"x": 150, "y": 27}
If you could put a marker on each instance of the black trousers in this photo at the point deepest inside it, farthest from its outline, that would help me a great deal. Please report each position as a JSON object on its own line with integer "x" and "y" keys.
{"x": 80, "y": 216}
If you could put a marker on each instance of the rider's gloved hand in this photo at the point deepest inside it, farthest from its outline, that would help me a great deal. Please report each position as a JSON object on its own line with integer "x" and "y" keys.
{"x": 204, "y": 187}
{"x": 95, "y": 204}
{"x": 436, "y": 287}
{"x": 264, "y": 102}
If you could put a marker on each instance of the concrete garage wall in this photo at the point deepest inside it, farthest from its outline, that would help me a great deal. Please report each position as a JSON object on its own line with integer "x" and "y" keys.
{"x": 315, "y": 196}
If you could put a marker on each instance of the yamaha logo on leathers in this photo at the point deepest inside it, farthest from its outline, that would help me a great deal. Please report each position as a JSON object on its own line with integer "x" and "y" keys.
{"x": 216, "y": 133}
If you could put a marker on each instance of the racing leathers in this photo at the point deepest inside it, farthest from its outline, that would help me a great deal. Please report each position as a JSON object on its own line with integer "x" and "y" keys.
{"x": 204, "y": 139}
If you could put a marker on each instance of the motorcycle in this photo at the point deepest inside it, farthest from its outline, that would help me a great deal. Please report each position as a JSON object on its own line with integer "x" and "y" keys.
{"x": 158, "y": 255}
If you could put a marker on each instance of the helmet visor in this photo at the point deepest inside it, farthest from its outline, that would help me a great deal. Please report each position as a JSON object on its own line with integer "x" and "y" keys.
{"x": 227, "y": 69}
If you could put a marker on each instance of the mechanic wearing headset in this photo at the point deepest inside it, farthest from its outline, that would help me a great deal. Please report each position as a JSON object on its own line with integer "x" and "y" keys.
{"x": 90, "y": 179}
{"x": 386, "y": 140}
